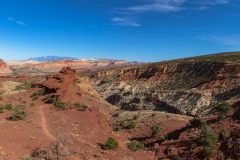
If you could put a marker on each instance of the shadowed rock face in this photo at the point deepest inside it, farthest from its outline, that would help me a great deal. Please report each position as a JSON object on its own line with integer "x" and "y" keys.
{"x": 187, "y": 86}
{"x": 4, "y": 69}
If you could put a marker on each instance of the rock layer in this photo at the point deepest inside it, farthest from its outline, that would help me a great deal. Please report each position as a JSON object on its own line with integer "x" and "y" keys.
{"x": 190, "y": 86}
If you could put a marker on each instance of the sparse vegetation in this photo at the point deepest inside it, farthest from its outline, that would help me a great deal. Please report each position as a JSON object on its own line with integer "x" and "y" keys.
{"x": 80, "y": 107}
{"x": 19, "y": 114}
{"x": 124, "y": 125}
{"x": 221, "y": 116}
{"x": 1, "y": 109}
{"x": 36, "y": 95}
{"x": 208, "y": 139}
{"x": 25, "y": 85}
{"x": 155, "y": 130}
{"x": 8, "y": 107}
{"x": 135, "y": 145}
{"x": 59, "y": 105}
{"x": 223, "y": 109}
{"x": 196, "y": 122}
{"x": 223, "y": 134}
{"x": 110, "y": 144}
{"x": 165, "y": 137}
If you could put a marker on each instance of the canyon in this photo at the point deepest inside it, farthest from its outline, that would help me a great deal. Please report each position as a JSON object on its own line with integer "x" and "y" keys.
{"x": 188, "y": 86}
{"x": 110, "y": 110}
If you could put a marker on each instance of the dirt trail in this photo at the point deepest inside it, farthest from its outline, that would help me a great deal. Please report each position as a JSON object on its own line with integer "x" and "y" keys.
{"x": 44, "y": 125}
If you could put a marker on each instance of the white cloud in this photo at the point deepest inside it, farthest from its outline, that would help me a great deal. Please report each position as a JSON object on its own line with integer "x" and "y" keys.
{"x": 167, "y": 6}
{"x": 158, "y": 6}
{"x": 21, "y": 23}
{"x": 125, "y": 22}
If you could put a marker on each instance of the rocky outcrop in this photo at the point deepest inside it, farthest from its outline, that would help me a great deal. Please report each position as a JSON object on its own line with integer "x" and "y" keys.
{"x": 187, "y": 87}
{"x": 4, "y": 69}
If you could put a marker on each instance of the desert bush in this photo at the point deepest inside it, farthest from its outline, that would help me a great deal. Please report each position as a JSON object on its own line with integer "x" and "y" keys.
{"x": 59, "y": 105}
{"x": 196, "y": 122}
{"x": 36, "y": 95}
{"x": 221, "y": 116}
{"x": 224, "y": 107}
{"x": 135, "y": 145}
{"x": 165, "y": 137}
{"x": 80, "y": 107}
{"x": 19, "y": 114}
{"x": 208, "y": 139}
{"x": 8, "y": 107}
{"x": 124, "y": 125}
{"x": 223, "y": 134}
{"x": 1, "y": 109}
{"x": 1, "y": 98}
{"x": 223, "y": 110}
{"x": 155, "y": 130}
{"x": 110, "y": 144}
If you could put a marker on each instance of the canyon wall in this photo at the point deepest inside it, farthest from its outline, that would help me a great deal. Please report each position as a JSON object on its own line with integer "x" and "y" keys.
{"x": 189, "y": 87}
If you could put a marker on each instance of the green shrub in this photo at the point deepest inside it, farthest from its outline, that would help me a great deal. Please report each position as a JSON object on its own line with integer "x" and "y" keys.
{"x": 208, "y": 139}
{"x": 221, "y": 116}
{"x": 19, "y": 114}
{"x": 224, "y": 107}
{"x": 1, "y": 98}
{"x": 155, "y": 130}
{"x": 124, "y": 125}
{"x": 59, "y": 105}
{"x": 135, "y": 146}
{"x": 110, "y": 144}
{"x": 8, "y": 107}
{"x": 36, "y": 95}
{"x": 196, "y": 122}
{"x": 80, "y": 107}
{"x": 130, "y": 125}
{"x": 1, "y": 109}
{"x": 165, "y": 137}
{"x": 223, "y": 134}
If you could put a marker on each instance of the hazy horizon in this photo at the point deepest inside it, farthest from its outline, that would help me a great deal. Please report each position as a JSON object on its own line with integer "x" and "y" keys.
{"x": 145, "y": 30}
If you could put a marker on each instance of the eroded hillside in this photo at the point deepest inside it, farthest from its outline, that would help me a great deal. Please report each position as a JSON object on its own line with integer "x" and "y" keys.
{"x": 190, "y": 86}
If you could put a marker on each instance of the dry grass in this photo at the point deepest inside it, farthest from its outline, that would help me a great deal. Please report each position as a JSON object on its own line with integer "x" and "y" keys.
{"x": 8, "y": 88}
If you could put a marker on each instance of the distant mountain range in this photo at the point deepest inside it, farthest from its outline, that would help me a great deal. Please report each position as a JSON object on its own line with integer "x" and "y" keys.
{"x": 50, "y": 58}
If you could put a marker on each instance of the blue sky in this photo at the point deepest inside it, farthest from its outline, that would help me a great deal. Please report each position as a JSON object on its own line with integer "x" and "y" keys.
{"x": 142, "y": 30}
